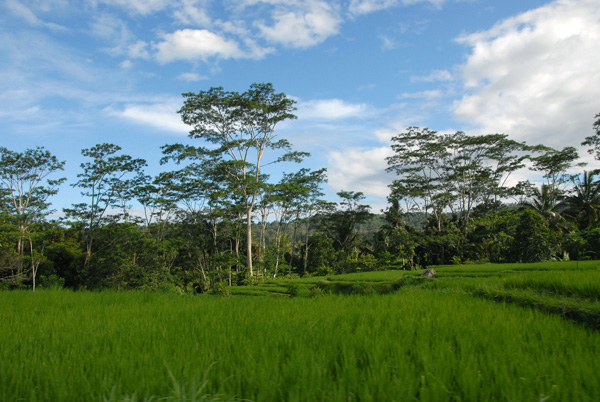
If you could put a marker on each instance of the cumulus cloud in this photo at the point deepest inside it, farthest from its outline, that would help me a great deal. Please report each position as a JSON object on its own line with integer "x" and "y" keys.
{"x": 360, "y": 170}
{"x": 195, "y": 44}
{"x": 302, "y": 28}
{"x": 331, "y": 109}
{"x": 535, "y": 76}
{"x": 162, "y": 116}
{"x": 201, "y": 44}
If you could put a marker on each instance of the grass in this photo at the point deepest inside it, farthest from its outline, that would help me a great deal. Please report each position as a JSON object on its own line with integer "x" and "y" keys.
{"x": 428, "y": 339}
{"x": 374, "y": 276}
{"x": 578, "y": 284}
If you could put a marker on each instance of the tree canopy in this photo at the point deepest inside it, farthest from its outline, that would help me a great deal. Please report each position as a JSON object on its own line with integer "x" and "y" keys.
{"x": 219, "y": 214}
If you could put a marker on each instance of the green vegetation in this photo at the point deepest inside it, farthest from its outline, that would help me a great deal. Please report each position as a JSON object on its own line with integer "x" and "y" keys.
{"x": 580, "y": 284}
{"x": 215, "y": 219}
{"x": 432, "y": 339}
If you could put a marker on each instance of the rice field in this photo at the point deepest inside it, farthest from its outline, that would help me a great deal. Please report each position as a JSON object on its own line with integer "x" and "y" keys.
{"x": 579, "y": 284}
{"x": 429, "y": 340}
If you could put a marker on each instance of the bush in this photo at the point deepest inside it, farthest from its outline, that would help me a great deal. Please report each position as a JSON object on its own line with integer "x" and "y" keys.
{"x": 51, "y": 282}
{"x": 325, "y": 271}
{"x": 316, "y": 292}
{"x": 292, "y": 289}
{"x": 221, "y": 289}
{"x": 532, "y": 238}
{"x": 368, "y": 262}
{"x": 170, "y": 288}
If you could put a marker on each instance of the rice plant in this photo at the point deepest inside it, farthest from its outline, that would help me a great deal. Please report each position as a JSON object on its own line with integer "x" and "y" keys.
{"x": 415, "y": 344}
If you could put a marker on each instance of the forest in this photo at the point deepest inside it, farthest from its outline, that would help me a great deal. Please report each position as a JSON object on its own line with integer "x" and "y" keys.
{"x": 218, "y": 219}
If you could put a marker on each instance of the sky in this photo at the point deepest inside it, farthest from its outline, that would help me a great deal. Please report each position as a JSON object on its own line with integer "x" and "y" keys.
{"x": 77, "y": 73}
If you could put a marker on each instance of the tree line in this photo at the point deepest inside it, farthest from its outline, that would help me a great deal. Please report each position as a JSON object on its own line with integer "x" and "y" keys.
{"x": 217, "y": 219}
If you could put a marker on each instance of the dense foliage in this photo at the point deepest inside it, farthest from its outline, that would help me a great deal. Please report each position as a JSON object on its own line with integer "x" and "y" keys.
{"x": 214, "y": 217}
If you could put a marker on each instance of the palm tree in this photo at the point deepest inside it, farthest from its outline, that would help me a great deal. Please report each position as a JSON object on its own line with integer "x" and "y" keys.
{"x": 583, "y": 204}
{"x": 548, "y": 202}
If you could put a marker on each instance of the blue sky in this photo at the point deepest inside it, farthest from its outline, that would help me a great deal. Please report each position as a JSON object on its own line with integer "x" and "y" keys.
{"x": 77, "y": 73}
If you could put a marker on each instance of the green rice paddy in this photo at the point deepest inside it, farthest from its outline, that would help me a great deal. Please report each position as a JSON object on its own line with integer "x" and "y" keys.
{"x": 472, "y": 333}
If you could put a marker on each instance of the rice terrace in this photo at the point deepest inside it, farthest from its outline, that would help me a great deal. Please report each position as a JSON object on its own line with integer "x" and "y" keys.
{"x": 518, "y": 332}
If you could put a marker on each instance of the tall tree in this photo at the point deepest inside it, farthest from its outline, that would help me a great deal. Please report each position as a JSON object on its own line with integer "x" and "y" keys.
{"x": 594, "y": 140}
{"x": 453, "y": 172}
{"x": 499, "y": 157}
{"x": 554, "y": 164}
{"x": 309, "y": 189}
{"x": 477, "y": 169}
{"x": 24, "y": 192}
{"x": 418, "y": 161}
{"x": 583, "y": 202}
{"x": 209, "y": 195}
{"x": 291, "y": 198}
{"x": 107, "y": 181}
{"x": 342, "y": 223}
{"x": 242, "y": 126}
{"x": 158, "y": 197}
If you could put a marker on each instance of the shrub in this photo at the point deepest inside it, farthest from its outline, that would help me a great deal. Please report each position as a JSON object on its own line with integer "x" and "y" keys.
{"x": 51, "y": 282}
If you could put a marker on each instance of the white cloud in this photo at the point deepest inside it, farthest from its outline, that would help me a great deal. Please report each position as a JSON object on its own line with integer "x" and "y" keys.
{"x": 143, "y": 7}
{"x": 385, "y": 134}
{"x": 431, "y": 94}
{"x": 191, "y": 77}
{"x": 368, "y": 6}
{"x": 190, "y": 14}
{"x": 255, "y": 51}
{"x": 387, "y": 43}
{"x": 162, "y": 116}
{"x": 201, "y": 44}
{"x": 331, "y": 109}
{"x": 195, "y": 44}
{"x": 536, "y": 76}
{"x": 126, "y": 64}
{"x": 438, "y": 75}
{"x": 21, "y": 11}
{"x": 360, "y": 170}
{"x": 112, "y": 30}
{"x": 303, "y": 27}
{"x": 237, "y": 27}
{"x": 138, "y": 50}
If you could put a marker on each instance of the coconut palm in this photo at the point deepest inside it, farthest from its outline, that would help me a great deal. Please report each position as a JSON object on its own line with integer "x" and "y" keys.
{"x": 548, "y": 202}
{"x": 583, "y": 203}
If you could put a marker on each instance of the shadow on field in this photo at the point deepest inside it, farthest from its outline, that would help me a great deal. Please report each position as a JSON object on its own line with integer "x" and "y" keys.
{"x": 575, "y": 310}
{"x": 371, "y": 288}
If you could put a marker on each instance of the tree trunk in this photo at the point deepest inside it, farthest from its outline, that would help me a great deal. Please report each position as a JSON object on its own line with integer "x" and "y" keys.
{"x": 249, "y": 238}
{"x": 306, "y": 246}
{"x": 293, "y": 244}
{"x": 202, "y": 269}
{"x": 88, "y": 252}
{"x": 34, "y": 263}
{"x": 277, "y": 249}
